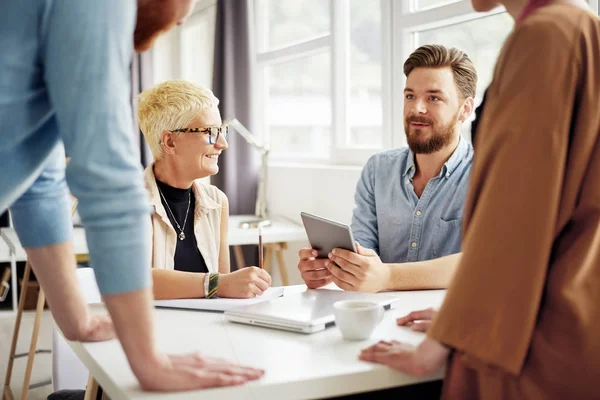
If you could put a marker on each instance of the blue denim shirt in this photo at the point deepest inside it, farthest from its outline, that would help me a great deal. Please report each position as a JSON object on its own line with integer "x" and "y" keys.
{"x": 65, "y": 79}
{"x": 389, "y": 217}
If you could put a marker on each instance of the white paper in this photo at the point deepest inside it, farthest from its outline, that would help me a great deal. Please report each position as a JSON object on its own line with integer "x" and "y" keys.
{"x": 218, "y": 304}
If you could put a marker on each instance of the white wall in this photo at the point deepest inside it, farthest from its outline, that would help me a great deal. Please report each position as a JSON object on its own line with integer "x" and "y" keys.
{"x": 327, "y": 191}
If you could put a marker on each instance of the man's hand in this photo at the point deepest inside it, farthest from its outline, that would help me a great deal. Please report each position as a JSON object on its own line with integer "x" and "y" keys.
{"x": 429, "y": 357}
{"x": 361, "y": 272}
{"x": 194, "y": 371}
{"x": 419, "y": 321}
{"x": 312, "y": 269}
{"x": 244, "y": 283}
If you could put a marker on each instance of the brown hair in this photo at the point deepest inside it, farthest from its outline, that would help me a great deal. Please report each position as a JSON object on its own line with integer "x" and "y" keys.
{"x": 155, "y": 17}
{"x": 437, "y": 56}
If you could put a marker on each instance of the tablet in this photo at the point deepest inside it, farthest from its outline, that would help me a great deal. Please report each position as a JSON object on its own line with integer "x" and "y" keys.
{"x": 325, "y": 235}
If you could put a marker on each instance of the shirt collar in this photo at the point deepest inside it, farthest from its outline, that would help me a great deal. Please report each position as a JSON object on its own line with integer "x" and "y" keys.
{"x": 459, "y": 153}
{"x": 409, "y": 166}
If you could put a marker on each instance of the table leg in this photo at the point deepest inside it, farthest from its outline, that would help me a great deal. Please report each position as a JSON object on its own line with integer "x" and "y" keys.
{"x": 268, "y": 257}
{"x": 7, "y": 394}
{"x": 17, "y": 327}
{"x": 39, "y": 311}
{"x": 281, "y": 261}
{"x": 239, "y": 256}
{"x": 91, "y": 389}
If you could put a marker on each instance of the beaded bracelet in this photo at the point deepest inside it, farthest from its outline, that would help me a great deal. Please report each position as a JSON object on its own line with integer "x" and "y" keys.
{"x": 213, "y": 284}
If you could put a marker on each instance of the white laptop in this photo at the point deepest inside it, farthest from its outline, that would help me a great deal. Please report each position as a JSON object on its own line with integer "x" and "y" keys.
{"x": 306, "y": 312}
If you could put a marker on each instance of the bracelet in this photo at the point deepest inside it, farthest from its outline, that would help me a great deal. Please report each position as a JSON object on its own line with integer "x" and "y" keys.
{"x": 213, "y": 284}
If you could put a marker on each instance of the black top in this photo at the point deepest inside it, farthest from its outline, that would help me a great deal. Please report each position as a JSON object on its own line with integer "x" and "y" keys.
{"x": 187, "y": 255}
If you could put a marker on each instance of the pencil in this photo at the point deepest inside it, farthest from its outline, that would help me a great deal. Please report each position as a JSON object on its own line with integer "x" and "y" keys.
{"x": 260, "y": 248}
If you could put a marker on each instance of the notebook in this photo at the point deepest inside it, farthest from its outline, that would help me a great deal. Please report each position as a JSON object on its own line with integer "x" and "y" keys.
{"x": 218, "y": 304}
{"x": 305, "y": 312}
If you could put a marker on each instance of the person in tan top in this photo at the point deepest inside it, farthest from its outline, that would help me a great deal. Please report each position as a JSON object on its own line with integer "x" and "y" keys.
{"x": 190, "y": 253}
{"x": 521, "y": 319}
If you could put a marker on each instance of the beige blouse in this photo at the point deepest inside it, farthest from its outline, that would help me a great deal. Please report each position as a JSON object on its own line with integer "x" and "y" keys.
{"x": 523, "y": 310}
{"x": 208, "y": 209}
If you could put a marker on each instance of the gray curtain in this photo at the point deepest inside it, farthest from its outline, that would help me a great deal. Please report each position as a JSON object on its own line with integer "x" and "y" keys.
{"x": 232, "y": 84}
{"x": 141, "y": 79}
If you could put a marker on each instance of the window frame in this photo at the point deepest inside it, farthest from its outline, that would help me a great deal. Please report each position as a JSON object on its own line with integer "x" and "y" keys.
{"x": 399, "y": 22}
{"x": 337, "y": 43}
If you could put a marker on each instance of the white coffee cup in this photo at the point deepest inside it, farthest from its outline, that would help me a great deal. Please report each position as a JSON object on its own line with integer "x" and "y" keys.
{"x": 357, "y": 319}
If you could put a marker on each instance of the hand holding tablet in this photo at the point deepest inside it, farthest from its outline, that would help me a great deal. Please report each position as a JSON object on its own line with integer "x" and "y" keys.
{"x": 325, "y": 235}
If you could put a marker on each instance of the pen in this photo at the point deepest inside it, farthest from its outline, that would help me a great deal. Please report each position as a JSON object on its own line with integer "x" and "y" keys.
{"x": 260, "y": 248}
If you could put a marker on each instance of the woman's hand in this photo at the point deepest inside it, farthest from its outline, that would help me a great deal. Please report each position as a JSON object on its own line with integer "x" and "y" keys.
{"x": 429, "y": 357}
{"x": 244, "y": 283}
{"x": 419, "y": 321}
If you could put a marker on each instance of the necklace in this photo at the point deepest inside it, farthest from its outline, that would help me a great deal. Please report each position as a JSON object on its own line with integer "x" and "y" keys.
{"x": 181, "y": 235}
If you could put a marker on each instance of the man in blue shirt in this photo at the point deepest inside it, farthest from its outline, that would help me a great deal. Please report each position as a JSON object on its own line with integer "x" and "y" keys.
{"x": 409, "y": 201}
{"x": 65, "y": 80}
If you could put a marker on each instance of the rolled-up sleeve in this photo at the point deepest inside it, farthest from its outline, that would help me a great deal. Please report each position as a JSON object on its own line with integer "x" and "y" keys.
{"x": 364, "y": 215}
{"x": 87, "y": 52}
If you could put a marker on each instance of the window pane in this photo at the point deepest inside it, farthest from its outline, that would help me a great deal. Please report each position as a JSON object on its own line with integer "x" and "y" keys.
{"x": 300, "y": 106}
{"x": 294, "y": 20}
{"x": 421, "y": 4}
{"x": 365, "y": 113}
{"x": 481, "y": 39}
{"x": 197, "y": 47}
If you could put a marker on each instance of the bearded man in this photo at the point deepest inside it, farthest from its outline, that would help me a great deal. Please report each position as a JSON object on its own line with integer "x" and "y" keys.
{"x": 409, "y": 201}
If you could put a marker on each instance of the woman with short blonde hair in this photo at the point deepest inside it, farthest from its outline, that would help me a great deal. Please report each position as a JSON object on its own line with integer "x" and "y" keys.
{"x": 190, "y": 257}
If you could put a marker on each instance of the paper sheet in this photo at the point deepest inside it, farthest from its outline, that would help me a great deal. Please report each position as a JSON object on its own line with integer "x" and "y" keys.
{"x": 218, "y": 304}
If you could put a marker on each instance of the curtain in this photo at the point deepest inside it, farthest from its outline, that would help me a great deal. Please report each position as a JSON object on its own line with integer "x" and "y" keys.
{"x": 232, "y": 84}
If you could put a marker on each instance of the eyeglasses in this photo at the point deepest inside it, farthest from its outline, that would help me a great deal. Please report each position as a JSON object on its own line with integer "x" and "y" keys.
{"x": 213, "y": 132}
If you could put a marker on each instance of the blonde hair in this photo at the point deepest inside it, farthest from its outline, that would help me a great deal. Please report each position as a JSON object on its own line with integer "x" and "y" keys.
{"x": 437, "y": 56}
{"x": 171, "y": 105}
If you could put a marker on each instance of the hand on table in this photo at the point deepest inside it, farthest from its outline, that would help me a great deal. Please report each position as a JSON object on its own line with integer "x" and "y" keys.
{"x": 429, "y": 357}
{"x": 419, "y": 321}
{"x": 195, "y": 371}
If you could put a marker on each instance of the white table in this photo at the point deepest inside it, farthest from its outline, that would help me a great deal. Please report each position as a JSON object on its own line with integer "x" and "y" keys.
{"x": 280, "y": 231}
{"x": 298, "y": 366}
{"x": 275, "y": 240}
{"x": 16, "y": 253}
{"x": 9, "y": 234}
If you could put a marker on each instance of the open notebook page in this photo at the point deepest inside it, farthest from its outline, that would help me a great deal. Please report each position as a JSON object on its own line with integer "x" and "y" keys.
{"x": 218, "y": 304}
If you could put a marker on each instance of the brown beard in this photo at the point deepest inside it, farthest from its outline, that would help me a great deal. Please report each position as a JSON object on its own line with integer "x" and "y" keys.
{"x": 441, "y": 136}
{"x": 155, "y": 17}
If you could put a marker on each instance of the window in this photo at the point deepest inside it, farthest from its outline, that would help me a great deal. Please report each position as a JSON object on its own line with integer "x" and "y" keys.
{"x": 425, "y": 4}
{"x": 292, "y": 21}
{"x": 197, "y": 45}
{"x": 365, "y": 116}
{"x": 322, "y": 68}
{"x": 329, "y": 72}
{"x": 452, "y": 24}
{"x": 482, "y": 49}
{"x": 300, "y": 106}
